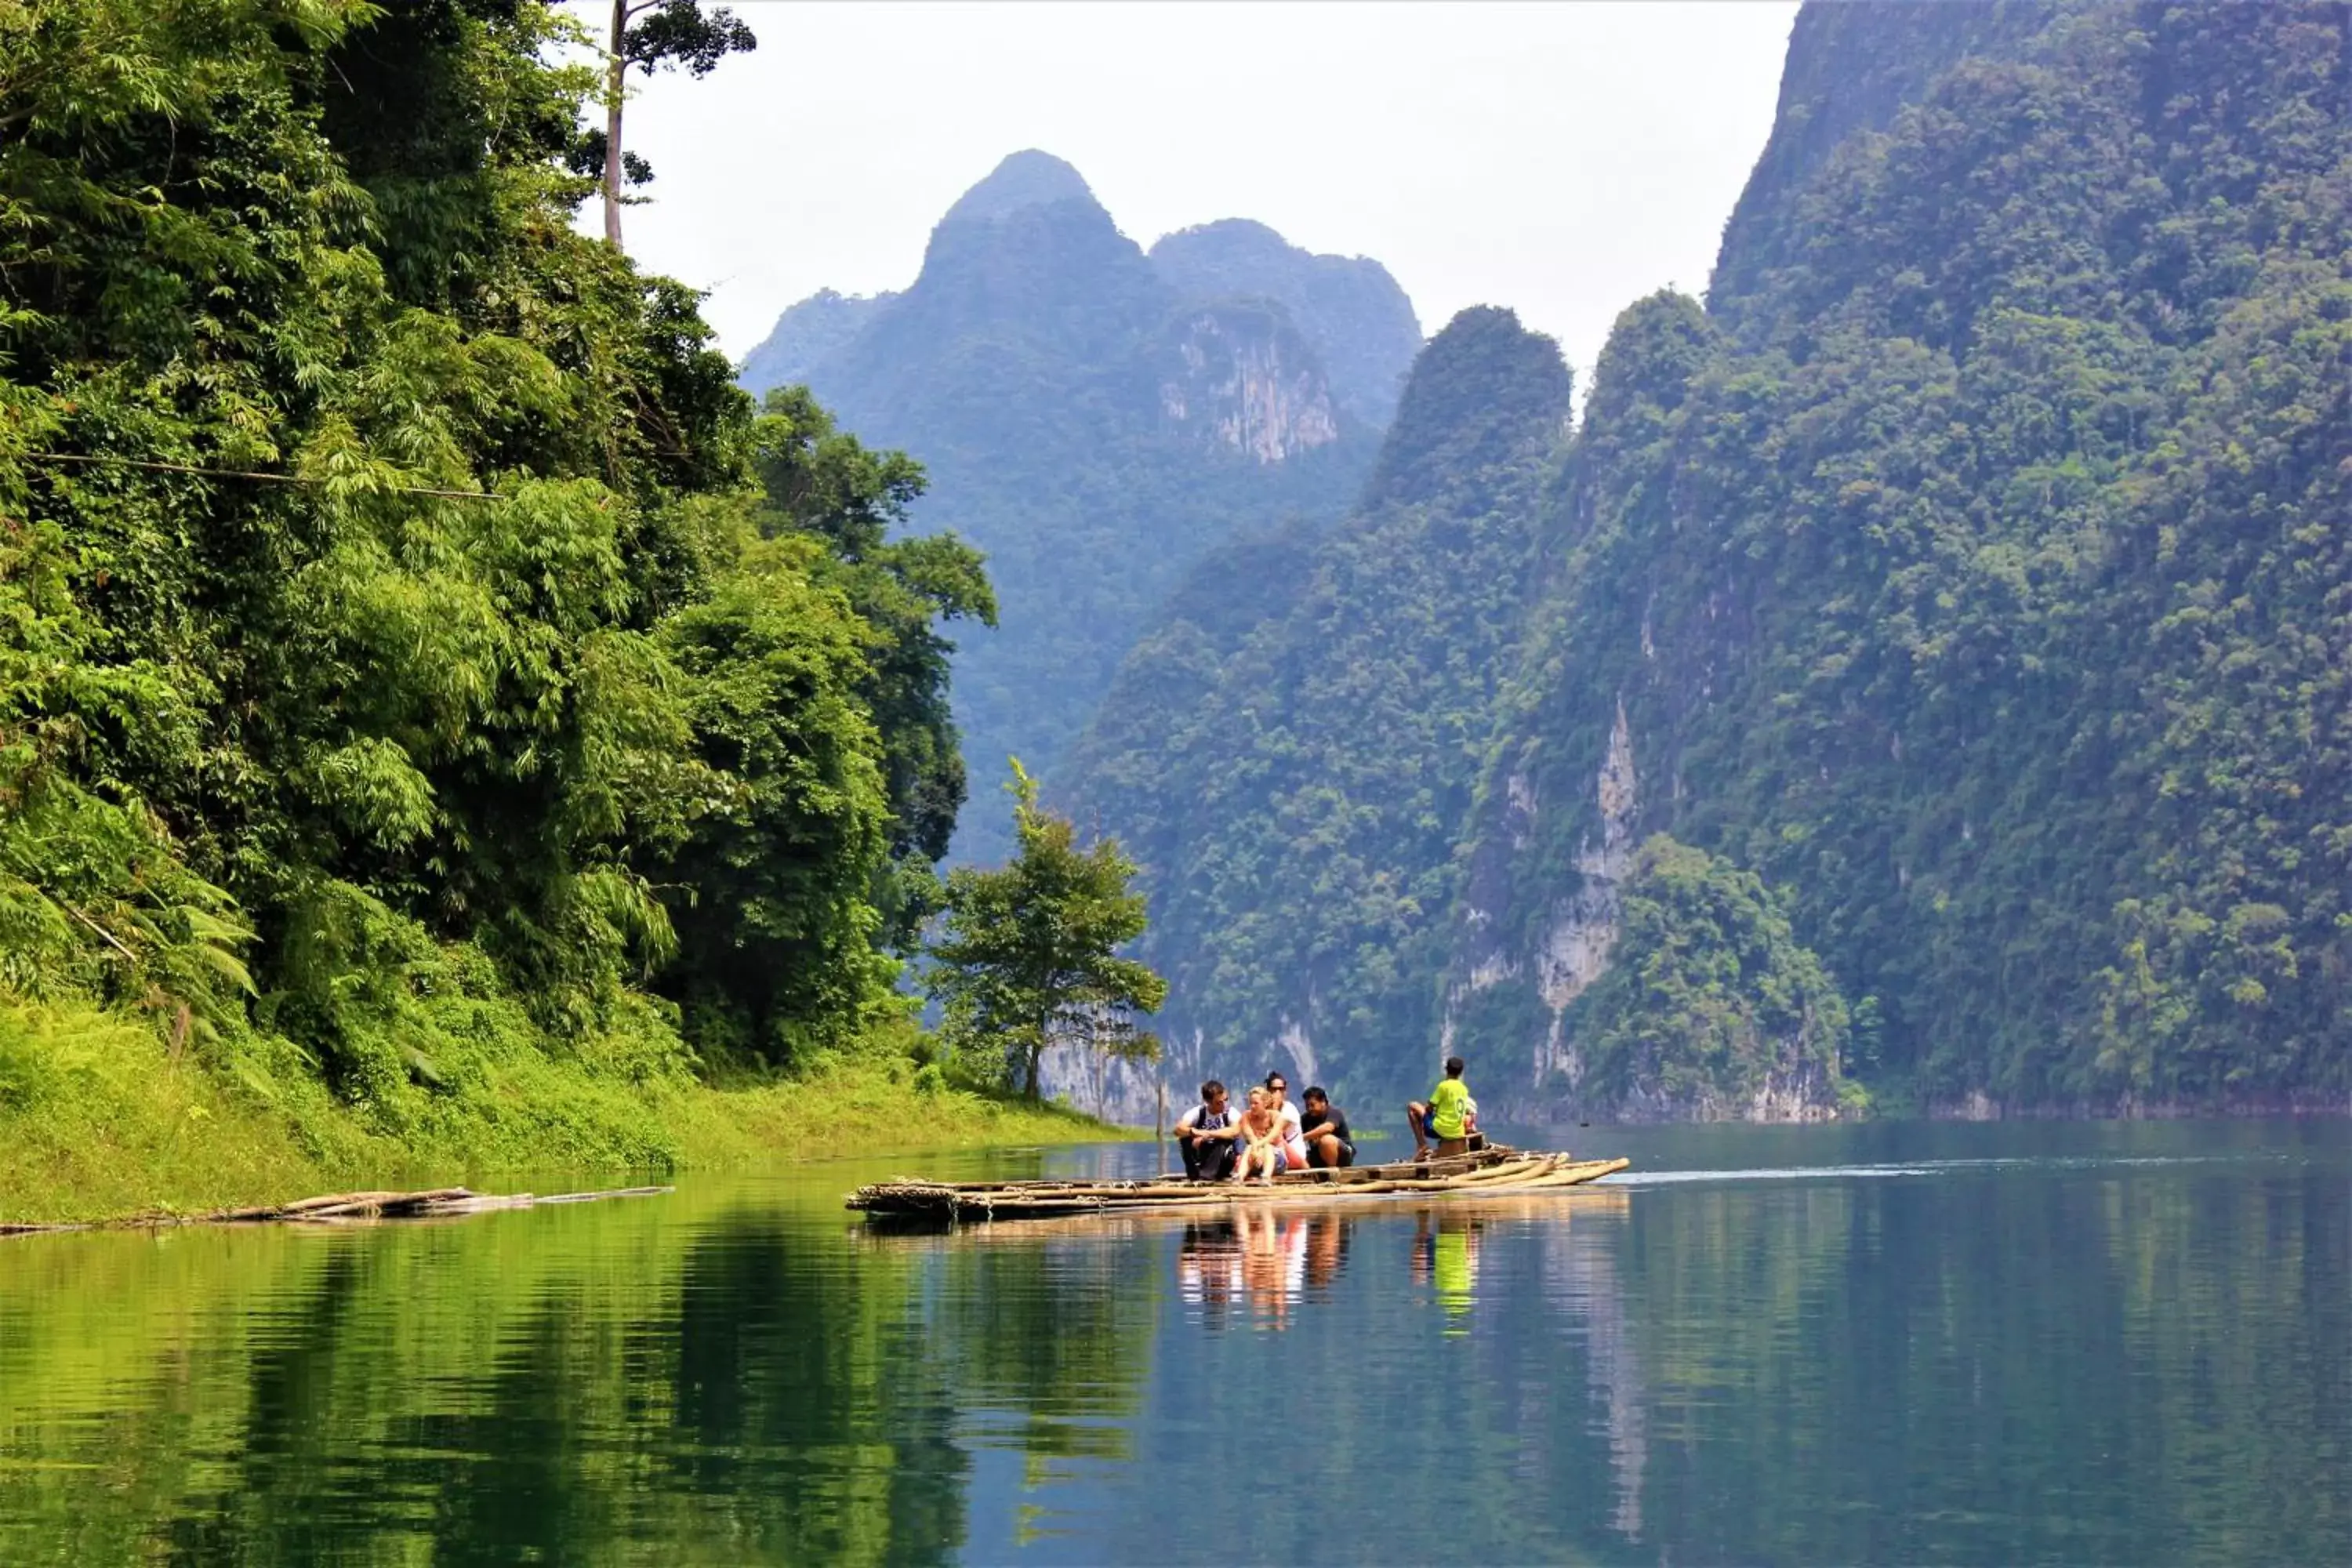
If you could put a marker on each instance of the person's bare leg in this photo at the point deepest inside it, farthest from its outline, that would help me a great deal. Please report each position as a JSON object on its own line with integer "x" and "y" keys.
{"x": 1416, "y": 1116}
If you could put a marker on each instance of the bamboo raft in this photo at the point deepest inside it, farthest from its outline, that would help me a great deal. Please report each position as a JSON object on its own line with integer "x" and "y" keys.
{"x": 1589, "y": 1203}
{"x": 1496, "y": 1169}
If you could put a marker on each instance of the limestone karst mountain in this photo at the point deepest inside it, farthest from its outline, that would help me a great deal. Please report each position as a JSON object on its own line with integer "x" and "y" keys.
{"x": 1295, "y": 741}
{"x": 1925, "y": 667}
{"x": 1095, "y": 423}
{"x": 805, "y": 335}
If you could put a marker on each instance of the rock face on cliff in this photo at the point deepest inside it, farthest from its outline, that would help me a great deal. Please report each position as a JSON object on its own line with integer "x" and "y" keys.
{"x": 1093, "y": 426}
{"x": 1964, "y": 587}
{"x": 1348, "y": 309}
{"x": 1243, "y": 380}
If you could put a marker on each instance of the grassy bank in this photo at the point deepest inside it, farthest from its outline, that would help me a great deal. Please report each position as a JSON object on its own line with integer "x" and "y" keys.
{"x": 99, "y": 1119}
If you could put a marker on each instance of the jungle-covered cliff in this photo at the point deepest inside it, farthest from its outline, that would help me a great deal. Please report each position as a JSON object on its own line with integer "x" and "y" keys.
{"x": 1095, "y": 419}
{"x": 1926, "y": 665}
{"x": 1289, "y": 751}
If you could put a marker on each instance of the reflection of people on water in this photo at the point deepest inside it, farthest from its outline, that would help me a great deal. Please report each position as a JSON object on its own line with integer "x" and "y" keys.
{"x": 1446, "y": 1254}
{"x": 1267, "y": 1261}
{"x": 1327, "y": 1249}
{"x": 1260, "y": 1257}
{"x": 1273, "y": 1259}
{"x": 1208, "y": 1268}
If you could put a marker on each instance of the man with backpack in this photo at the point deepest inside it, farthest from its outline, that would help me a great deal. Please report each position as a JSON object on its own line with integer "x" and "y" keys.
{"x": 1205, "y": 1135}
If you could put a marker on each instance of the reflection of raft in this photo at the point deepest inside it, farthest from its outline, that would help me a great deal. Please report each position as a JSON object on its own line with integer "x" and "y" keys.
{"x": 1496, "y": 1169}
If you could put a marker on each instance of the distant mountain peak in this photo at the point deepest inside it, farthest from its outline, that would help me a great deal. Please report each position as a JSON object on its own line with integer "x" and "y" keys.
{"x": 1484, "y": 393}
{"x": 1024, "y": 179}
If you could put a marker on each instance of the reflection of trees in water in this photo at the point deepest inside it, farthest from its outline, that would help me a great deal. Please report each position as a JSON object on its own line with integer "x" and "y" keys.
{"x": 1053, "y": 1331}
{"x": 1903, "y": 1370}
{"x": 811, "y": 1412}
{"x": 748, "y": 1387}
{"x": 1804, "y": 1370}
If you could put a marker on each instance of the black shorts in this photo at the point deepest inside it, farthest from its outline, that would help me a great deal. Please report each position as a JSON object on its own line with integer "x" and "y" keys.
{"x": 1207, "y": 1159}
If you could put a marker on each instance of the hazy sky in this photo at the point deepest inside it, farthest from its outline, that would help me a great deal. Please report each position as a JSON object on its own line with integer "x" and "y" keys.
{"x": 1560, "y": 159}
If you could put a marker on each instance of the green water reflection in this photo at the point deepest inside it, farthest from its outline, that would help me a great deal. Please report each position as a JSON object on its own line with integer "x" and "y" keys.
{"x": 1949, "y": 1345}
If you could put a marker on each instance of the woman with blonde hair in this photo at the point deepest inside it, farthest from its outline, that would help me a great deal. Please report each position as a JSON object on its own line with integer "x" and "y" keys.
{"x": 1260, "y": 1139}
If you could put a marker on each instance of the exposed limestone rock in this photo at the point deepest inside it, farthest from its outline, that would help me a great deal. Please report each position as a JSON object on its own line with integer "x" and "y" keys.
{"x": 1353, "y": 315}
{"x": 1294, "y": 1039}
{"x": 1128, "y": 1092}
{"x": 1244, "y": 380}
{"x": 1576, "y": 949}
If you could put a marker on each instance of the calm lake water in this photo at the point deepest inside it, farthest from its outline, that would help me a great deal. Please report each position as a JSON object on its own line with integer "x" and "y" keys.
{"x": 1977, "y": 1345}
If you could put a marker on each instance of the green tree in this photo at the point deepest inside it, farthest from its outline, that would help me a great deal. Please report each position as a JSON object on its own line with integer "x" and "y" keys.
{"x": 1028, "y": 957}
{"x": 651, "y": 34}
{"x": 1710, "y": 1006}
{"x": 821, "y": 482}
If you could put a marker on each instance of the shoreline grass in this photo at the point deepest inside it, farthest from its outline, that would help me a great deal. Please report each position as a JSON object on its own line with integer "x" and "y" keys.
{"x": 99, "y": 1124}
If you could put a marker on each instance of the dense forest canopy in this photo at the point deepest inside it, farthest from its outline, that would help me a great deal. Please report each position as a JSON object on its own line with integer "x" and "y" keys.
{"x": 1968, "y": 572}
{"x": 416, "y": 655}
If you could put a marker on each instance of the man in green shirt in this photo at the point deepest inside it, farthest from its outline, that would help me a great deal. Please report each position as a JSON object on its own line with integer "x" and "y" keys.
{"x": 1449, "y": 1115}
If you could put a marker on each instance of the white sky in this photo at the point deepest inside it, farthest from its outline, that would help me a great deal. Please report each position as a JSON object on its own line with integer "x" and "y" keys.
{"x": 1563, "y": 160}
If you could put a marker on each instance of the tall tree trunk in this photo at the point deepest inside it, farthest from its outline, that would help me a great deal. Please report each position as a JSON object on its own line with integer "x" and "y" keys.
{"x": 615, "y": 73}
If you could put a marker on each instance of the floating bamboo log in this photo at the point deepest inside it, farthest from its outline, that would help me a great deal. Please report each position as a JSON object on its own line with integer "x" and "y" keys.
{"x": 336, "y": 1208}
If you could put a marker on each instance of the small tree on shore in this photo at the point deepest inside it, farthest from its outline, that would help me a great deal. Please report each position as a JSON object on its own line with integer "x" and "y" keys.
{"x": 1027, "y": 959}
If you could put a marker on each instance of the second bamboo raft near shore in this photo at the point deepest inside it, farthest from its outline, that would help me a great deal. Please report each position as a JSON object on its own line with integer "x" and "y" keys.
{"x": 1496, "y": 1169}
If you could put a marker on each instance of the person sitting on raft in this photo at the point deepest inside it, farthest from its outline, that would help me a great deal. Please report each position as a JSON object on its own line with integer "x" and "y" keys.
{"x": 1294, "y": 1141}
{"x": 1449, "y": 1115}
{"x": 1329, "y": 1143}
{"x": 1260, "y": 1139}
{"x": 1205, "y": 1135}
